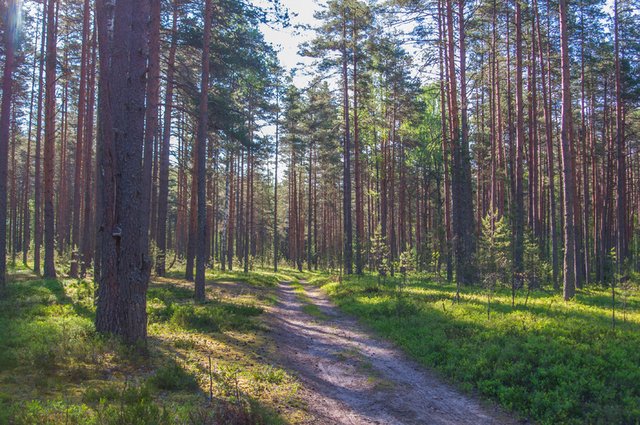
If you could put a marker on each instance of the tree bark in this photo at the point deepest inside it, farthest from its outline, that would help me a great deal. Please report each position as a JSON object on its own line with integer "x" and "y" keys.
{"x": 201, "y": 152}
{"x": 49, "y": 141}
{"x": 82, "y": 94}
{"x": 569, "y": 279}
{"x": 462, "y": 200}
{"x": 163, "y": 184}
{"x": 151, "y": 112}
{"x": 621, "y": 188}
{"x": 346, "y": 170}
{"x": 88, "y": 243}
{"x": 5, "y": 118}
{"x": 549, "y": 144}
{"x": 518, "y": 211}
{"x": 276, "y": 244}
{"x": 125, "y": 264}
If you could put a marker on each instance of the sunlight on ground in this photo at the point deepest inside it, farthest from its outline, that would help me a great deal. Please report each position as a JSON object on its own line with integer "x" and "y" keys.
{"x": 548, "y": 360}
{"x": 53, "y": 367}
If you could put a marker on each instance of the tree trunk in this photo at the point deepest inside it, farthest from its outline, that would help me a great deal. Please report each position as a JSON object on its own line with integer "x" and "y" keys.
{"x": 88, "y": 242}
{"x": 621, "y": 188}
{"x": 151, "y": 112}
{"x": 5, "y": 118}
{"x": 37, "y": 214}
{"x": 569, "y": 280}
{"x": 231, "y": 215}
{"x": 49, "y": 141}
{"x": 163, "y": 191}
{"x": 360, "y": 242}
{"x": 446, "y": 150}
{"x": 82, "y": 94}
{"x": 518, "y": 212}
{"x": 462, "y": 200}
{"x": 346, "y": 170}
{"x": 125, "y": 262}
{"x": 275, "y": 182}
{"x": 549, "y": 144}
{"x": 201, "y": 152}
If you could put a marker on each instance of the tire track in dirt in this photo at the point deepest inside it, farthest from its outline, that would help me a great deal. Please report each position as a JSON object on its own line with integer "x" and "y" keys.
{"x": 351, "y": 377}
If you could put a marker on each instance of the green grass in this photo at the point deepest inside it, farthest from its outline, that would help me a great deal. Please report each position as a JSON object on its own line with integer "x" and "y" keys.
{"x": 307, "y": 305}
{"x": 550, "y": 361}
{"x": 54, "y": 367}
{"x": 259, "y": 277}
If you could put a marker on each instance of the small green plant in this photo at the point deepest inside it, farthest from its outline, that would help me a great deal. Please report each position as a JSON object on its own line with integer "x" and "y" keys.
{"x": 102, "y": 392}
{"x": 406, "y": 264}
{"x": 270, "y": 374}
{"x": 172, "y": 377}
{"x": 494, "y": 254}
{"x": 135, "y": 406}
{"x": 228, "y": 376}
{"x": 379, "y": 252}
{"x": 191, "y": 317}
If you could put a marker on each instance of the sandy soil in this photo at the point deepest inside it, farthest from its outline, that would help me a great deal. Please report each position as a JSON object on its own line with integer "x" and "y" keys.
{"x": 351, "y": 377}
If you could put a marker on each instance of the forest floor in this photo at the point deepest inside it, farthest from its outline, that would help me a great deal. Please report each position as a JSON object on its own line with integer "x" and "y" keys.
{"x": 544, "y": 359}
{"x": 204, "y": 363}
{"x": 351, "y": 377}
{"x": 270, "y": 348}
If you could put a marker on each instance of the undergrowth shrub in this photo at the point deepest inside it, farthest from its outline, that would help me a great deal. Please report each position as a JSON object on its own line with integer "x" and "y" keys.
{"x": 214, "y": 316}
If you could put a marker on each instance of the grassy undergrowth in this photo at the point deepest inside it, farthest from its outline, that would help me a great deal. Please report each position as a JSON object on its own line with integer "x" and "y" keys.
{"x": 550, "y": 361}
{"x": 307, "y": 305}
{"x": 206, "y": 363}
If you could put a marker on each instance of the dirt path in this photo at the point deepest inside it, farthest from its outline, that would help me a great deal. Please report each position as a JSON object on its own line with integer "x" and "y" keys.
{"x": 351, "y": 377}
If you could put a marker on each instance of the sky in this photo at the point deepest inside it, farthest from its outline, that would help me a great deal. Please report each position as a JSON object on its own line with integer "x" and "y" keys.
{"x": 286, "y": 40}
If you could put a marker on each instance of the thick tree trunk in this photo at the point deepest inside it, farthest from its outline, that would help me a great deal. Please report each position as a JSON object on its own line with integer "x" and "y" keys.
{"x": 125, "y": 264}
{"x": 38, "y": 157}
{"x": 193, "y": 217}
{"x": 462, "y": 200}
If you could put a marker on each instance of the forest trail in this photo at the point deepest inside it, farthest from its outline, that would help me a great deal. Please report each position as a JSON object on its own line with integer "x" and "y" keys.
{"x": 351, "y": 377}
